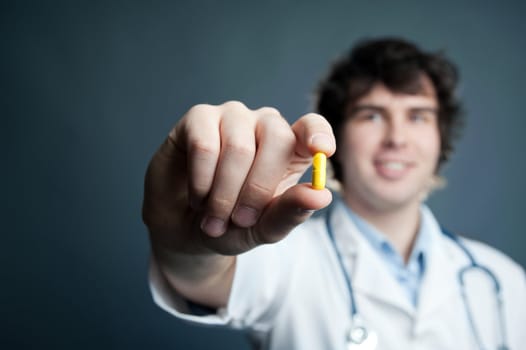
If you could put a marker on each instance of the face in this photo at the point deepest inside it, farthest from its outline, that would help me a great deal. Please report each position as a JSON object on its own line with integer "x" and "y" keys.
{"x": 389, "y": 148}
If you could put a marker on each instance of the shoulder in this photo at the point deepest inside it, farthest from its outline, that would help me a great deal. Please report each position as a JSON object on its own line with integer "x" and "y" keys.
{"x": 501, "y": 264}
{"x": 512, "y": 279}
{"x": 489, "y": 254}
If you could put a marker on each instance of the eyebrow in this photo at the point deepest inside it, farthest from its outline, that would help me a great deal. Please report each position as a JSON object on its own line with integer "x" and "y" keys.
{"x": 368, "y": 107}
{"x": 362, "y": 107}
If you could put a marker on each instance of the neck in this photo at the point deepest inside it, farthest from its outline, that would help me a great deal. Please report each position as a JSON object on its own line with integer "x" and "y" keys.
{"x": 400, "y": 224}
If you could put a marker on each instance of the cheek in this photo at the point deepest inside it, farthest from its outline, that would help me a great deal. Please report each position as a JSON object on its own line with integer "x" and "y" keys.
{"x": 350, "y": 146}
{"x": 356, "y": 148}
{"x": 430, "y": 145}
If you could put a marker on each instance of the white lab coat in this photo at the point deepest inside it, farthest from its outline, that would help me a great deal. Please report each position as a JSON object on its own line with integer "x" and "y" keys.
{"x": 292, "y": 295}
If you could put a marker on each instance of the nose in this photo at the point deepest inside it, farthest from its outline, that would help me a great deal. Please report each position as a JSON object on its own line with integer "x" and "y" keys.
{"x": 395, "y": 134}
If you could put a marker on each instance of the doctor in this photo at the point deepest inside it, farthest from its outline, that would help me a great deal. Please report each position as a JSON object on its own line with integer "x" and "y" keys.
{"x": 233, "y": 245}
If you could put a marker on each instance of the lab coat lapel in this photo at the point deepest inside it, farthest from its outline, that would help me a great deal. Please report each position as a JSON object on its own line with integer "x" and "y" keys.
{"x": 439, "y": 282}
{"x": 370, "y": 275}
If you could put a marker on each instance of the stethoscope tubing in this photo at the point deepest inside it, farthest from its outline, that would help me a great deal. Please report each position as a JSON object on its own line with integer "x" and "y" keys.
{"x": 473, "y": 265}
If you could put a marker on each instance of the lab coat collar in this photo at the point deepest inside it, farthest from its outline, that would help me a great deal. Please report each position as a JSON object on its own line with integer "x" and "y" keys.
{"x": 369, "y": 274}
{"x": 372, "y": 278}
{"x": 444, "y": 260}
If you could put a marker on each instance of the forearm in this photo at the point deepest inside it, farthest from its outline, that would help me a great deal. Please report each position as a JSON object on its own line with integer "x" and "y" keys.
{"x": 204, "y": 279}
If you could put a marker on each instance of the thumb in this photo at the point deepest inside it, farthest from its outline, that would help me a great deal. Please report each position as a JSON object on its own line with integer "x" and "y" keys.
{"x": 313, "y": 134}
{"x": 289, "y": 210}
{"x": 298, "y": 203}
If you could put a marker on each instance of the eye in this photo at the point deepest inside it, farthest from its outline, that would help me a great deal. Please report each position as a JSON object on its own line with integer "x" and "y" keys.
{"x": 419, "y": 117}
{"x": 374, "y": 117}
{"x": 368, "y": 115}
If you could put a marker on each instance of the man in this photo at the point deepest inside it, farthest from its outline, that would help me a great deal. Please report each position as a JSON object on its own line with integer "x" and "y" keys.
{"x": 231, "y": 237}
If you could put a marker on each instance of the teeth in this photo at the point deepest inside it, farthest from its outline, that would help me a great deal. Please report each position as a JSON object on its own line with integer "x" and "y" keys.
{"x": 394, "y": 165}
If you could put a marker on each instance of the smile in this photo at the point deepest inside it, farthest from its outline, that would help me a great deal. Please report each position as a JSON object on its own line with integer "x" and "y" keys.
{"x": 392, "y": 169}
{"x": 394, "y": 165}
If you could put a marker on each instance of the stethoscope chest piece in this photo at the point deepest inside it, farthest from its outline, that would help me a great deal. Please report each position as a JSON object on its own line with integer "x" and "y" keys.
{"x": 359, "y": 338}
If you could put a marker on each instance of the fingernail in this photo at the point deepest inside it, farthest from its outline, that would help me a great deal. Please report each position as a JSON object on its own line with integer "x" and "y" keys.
{"x": 321, "y": 142}
{"x": 245, "y": 216}
{"x": 213, "y": 226}
{"x": 305, "y": 212}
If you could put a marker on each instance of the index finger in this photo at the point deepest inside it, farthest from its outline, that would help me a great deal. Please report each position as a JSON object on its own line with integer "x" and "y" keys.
{"x": 313, "y": 134}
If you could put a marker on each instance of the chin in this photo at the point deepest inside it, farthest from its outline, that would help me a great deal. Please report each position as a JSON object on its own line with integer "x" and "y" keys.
{"x": 389, "y": 199}
{"x": 390, "y": 205}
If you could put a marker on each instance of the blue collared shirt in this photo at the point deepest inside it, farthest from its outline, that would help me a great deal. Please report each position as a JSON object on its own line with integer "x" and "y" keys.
{"x": 408, "y": 275}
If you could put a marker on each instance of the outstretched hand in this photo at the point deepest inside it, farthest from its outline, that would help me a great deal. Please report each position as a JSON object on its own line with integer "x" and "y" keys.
{"x": 226, "y": 179}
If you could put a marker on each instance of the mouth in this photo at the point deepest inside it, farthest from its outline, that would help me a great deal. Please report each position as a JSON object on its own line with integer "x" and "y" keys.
{"x": 392, "y": 169}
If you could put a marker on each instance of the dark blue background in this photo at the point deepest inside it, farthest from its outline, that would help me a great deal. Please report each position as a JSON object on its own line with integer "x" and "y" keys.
{"x": 90, "y": 89}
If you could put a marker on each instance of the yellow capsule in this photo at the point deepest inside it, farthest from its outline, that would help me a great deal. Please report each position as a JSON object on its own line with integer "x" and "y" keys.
{"x": 319, "y": 171}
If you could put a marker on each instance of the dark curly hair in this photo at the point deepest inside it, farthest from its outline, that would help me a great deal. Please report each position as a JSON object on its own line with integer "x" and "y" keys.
{"x": 399, "y": 65}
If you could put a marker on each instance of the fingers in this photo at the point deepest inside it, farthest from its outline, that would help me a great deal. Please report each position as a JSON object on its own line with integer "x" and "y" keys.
{"x": 238, "y": 149}
{"x": 256, "y": 148}
{"x": 279, "y": 218}
{"x": 239, "y": 160}
{"x": 203, "y": 145}
{"x": 276, "y": 143}
{"x": 313, "y": 134}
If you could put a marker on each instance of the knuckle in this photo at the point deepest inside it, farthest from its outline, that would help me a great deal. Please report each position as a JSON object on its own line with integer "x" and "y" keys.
{"x": 269, "y": 111}
{"x": 244, "y": 149}
{"x": 312, "y": 116}
{"x": 315, "y": 120}
{"x": 201, "y": 109}
{"x": 254, "y": 239}
{"x": 221, "y": 206}
{"x": 234, "y": 105}
{"x": 200, "y": 147}
{"x": 257, "y": 192}
{"x": 199, "y": 187}
{"x": 283, "y": 135}
{"x": 278, "y": 126}
{"x": 258, "y": 237}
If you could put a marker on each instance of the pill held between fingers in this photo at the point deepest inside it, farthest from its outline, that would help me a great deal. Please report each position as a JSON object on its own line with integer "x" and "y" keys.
{"x": 319, "y": 171}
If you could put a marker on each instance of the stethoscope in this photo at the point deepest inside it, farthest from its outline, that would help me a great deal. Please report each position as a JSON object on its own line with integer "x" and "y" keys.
{"x": 360, "y": 337}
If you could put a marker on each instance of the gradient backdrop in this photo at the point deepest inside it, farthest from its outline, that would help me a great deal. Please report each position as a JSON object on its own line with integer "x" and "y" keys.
{"x": 90, "y": 89}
